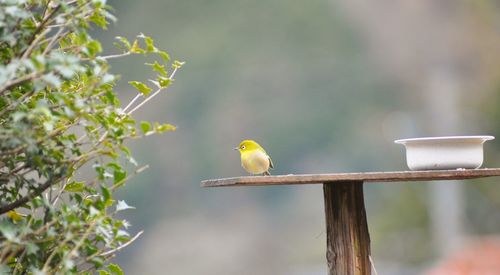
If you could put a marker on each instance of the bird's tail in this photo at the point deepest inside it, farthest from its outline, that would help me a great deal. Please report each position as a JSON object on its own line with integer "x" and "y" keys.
{"x": 266, "y": 173}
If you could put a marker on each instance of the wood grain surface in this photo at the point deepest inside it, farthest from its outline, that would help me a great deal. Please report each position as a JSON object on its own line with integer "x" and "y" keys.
{"x": 396, "y": 176}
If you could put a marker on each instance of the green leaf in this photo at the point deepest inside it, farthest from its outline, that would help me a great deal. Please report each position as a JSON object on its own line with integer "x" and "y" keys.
{"x": 164, "y": 82}
{"x": 112, "y": 99}
{"x": 98, "y": 262}
{"x": 106, "y": 194}
{"x": 103, "y": 272}
{"x": 79, "y": 38}
{"x": 145, "y": 126}
{"x": 177, "y": 64}
{"x": 126, "y": 151}
{"x": 94, "y": 47}
{"x": 119, "y": 176}
{"x": 141, "y": 87}
{"x": 75, "y": 186}
{"x": 98, "y": 19}
{"x": 100, "y": 171}
{"x": 135, "y": 48}
{"x": 31, "y": 248}
{"x": 163, "y": 55}
{"x": 157, "y": 67}
{"x": 160, "y": 128}
{"x": 124, "y": 41}
{"x": 115, "y": 269}
{"x": 150, "y": 47}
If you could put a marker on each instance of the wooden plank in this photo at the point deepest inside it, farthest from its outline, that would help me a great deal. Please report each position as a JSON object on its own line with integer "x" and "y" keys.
{"x": 353, "y": 177}
{"x": 347, "y": 237}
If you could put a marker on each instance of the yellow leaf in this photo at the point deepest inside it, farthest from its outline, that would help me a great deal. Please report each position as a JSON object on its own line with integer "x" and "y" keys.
{"x": 135, "y": 48}
{"x": 15, "y": 216}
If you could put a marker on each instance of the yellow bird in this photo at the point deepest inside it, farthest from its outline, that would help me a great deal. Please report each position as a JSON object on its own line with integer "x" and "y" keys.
{"x": 254, "y": 158}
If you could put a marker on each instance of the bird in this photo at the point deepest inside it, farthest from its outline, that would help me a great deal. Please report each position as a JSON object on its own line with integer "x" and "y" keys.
{"x": 254, "y": 158}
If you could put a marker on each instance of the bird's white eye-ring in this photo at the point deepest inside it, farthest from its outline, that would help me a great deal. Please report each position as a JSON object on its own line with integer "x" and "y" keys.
{"x": 242, "y": 147}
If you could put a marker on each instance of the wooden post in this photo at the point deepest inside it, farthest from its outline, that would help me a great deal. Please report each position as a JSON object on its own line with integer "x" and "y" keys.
{"x": 348, "y": 241}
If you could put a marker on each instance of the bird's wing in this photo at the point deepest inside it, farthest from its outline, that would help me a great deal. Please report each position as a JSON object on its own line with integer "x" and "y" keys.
{"x": 270, "y": 162}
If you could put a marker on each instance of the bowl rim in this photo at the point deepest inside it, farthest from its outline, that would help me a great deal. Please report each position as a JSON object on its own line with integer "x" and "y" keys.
{"x": 444, "y": 138}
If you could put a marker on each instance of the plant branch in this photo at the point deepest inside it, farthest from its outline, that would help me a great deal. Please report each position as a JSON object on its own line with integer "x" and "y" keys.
{"x": 107, "y": 57}
{"x": 20, "y": 100}
{"x": 132, "y": 102}
{"x": 123, "y": 245}
{"x": 83, "y": 238}
{"x": 19, "y": 80}
{"x": 35, "y": 37}
{"x": 55, "y": 38}
{"x": 153, "y": 95}
{"x": 35, "y": 193}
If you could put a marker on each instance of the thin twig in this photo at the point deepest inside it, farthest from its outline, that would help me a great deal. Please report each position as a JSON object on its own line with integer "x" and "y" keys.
{"x": 54, "y": 39}
{"x": 6, "y": 208}
{"x": 145, "y": 101}
{"x": 18, "y": 81}
{"x": 91, "y": 268}
{"x": 132, "y": 102}
{"x": 36, "y": 37}
{"x": 373, "y": 264}
{"x": 137, "y": 171}
{"x": 73, "y": 252}
{"x": 153, "y": 95}
{"x": 142, "y": 103}
{"x": 20, "y": 100}
{"x": 34, "y": 43}
{"x": 52, "y": 134}
{"x": 54, "y": 252}
{"x": 59, "y": 193}
{"x": 106, "y": 57}
{"x": 123, "y": 245}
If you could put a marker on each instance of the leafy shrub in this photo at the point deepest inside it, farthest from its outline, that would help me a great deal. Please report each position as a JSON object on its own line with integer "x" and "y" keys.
{"x": 59, "y": 114}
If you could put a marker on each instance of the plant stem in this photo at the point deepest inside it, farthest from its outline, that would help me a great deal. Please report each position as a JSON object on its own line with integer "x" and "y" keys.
{"x": 106, "y": 57}
{"x": 19, "y": 80}
{"x": 6, "y": 208}
{"x": 153, "y": 95}
{"x": 132, "y": 102}
{"x": 123, "y": 245}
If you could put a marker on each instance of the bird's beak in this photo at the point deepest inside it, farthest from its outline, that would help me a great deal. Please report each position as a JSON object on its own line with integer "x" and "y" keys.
{"x": 236, "y": 148}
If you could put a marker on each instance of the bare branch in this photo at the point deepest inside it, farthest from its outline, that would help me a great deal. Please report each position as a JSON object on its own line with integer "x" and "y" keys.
{"x": 132, "y": 102}
{"x": 107, "y": 57}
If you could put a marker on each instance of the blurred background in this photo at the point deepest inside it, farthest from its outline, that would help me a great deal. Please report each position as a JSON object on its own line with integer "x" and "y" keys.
{"x": 324, "y": 86}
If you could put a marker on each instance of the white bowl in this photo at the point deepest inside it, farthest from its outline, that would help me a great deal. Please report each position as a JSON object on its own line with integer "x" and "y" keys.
{"x": 440, "y": 153}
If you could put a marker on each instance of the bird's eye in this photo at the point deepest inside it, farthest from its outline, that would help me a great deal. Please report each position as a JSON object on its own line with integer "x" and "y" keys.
{"x": 242, "y": 147}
